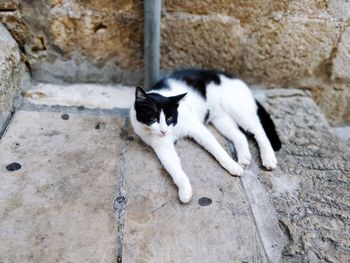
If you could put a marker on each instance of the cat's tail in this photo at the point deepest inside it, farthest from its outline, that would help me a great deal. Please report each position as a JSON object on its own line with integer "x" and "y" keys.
{"x": 269, "y": 127}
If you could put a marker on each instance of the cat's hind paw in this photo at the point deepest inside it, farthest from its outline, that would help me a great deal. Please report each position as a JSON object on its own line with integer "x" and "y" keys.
{"x": 245, "y": 159}
{"x": 233, "y": 168}
{"x": 269, "y": 161}
{"x": 185, "y": 194}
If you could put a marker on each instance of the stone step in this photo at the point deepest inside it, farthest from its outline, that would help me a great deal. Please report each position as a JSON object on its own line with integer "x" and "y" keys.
{"x": 59, "y": 206}
{"x": 310, "y": 189}
{"x": 216, "y": 226}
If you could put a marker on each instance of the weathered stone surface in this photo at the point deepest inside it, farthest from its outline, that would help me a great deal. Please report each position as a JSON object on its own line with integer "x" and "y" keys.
{"x": 158, "y": 228}
{"x": 102, "y": 39}
{"x": 8, "y": 5}
{"x": 279, "y": 37}
{"x": 341, "y": 62}
{"x": 310, "y": 189}
{"x": 280, "y": 52}
{"x": 11, "y": 71}
{"x": 343, "y": 132}
{"x": 58, "y": 206}
{"x": 186, "y": 41}
{"x": 334, "y": 100}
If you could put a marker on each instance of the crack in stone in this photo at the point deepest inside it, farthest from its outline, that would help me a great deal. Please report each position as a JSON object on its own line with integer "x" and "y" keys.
{"x": 7, "y": 123}
{"x": 119, "y": 202}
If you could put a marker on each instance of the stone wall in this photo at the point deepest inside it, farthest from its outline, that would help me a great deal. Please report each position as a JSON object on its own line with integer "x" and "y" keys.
{"x": 78, "y": 41}
{"x": 287, "y": 43}
{"x": 11, "y": 74}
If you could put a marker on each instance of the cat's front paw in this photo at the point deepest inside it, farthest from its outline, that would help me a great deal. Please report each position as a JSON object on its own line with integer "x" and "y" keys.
{"x": 185, "y": 194}
{"x": 269, "y": 160}
{"x": 232, "y": 167}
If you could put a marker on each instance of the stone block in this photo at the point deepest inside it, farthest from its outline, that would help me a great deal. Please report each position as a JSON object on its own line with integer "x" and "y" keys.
{"x": 58, "y": 206}
{"x": 216, "y": 226}
{"x": 11, "y": 71}
{"x": 341, "y": 61}
{"x": 99, "y": 41}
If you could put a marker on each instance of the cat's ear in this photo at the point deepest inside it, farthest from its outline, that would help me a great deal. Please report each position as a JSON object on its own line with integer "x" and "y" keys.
{"x": 177, "y": 98}
{"x": 140, "y": 95}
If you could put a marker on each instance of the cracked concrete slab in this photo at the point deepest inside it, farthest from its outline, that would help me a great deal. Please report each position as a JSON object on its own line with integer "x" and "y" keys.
{"x": 216, "y": 226}
{"x": 58, "y": 206}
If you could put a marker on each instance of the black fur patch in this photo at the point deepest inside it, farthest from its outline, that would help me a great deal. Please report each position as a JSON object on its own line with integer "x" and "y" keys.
{"x": 207, "y": 115}
{"x": 148, "y": 107}
{"x": 198, "y": 79}
{"x": 269, "y": 127}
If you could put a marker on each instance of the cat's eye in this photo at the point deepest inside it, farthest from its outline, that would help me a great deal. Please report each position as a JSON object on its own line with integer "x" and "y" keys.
{"x": 154, "y": 119}
{"x": 169, "y": 119}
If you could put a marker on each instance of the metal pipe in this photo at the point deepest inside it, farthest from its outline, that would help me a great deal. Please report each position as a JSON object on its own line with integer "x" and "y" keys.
{"x": 152, "y": 10}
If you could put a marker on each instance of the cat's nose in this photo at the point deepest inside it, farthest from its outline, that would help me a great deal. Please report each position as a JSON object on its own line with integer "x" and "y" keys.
{"x": 163, "y": 132}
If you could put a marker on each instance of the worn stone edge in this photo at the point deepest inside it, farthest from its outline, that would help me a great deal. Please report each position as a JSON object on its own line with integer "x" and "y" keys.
{"x": 263, "y": 213}
{"x": 73, "y": 109}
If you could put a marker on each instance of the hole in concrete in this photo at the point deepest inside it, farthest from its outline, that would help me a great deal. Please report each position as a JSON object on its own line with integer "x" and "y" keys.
{"x": 119, "y": 202}
{"x": 13, "y": 167}
{"x": 40, "y": 44}
{"x": 100, "y": 125}
{"x": 204, "y": 201}
{"x": 65, "y": 116}
{"x": 120, "y": 199}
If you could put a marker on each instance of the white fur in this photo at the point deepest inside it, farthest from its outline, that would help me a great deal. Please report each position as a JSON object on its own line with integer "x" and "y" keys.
{"x": 231, "y": 104}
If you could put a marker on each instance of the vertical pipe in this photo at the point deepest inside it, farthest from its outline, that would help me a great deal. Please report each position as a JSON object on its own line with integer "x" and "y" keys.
{"x": 151, "y": 41}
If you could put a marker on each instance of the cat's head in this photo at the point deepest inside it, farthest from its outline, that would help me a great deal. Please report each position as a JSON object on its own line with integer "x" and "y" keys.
{"x": 157, "y": 113}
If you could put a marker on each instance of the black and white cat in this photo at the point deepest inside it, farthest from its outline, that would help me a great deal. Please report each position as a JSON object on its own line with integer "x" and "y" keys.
{"x": 181, "y": 104}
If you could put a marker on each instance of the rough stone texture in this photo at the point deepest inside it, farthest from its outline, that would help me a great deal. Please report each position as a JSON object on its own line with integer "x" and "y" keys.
{"x": 310, "y": 189}
{"x": 58, "y": 206}
{"x": 8, "y": 5}
{"x": 79, "y": 40}
{"x": 157, "y": 228}
{"x": 341, "y": 62}
{"x": 10, "y": 73}
{"x": 343, "y": 132}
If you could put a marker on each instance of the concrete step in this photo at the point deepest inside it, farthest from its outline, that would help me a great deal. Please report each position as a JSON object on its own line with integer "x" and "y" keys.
{"x": 90, "y": 191}
{"x": 216, "y": 226}
{"x": 58, "y": 206}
